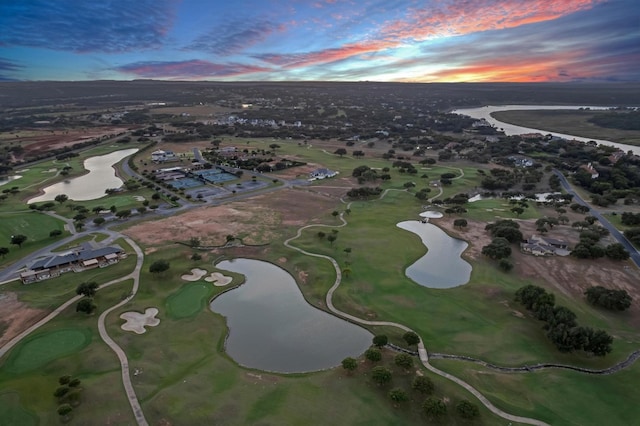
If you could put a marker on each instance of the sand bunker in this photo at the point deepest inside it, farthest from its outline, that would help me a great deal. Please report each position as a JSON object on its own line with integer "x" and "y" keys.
{"x": 430, "y": 214}
{"x": 218, "y": 279}
{"x": 136, "y": 322}
{"x": 138, "y": 198}
{"x": 195, "y": 275}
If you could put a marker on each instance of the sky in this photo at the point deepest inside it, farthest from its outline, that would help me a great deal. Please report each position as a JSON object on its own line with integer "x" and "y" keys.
{"x": 321, "y": 40}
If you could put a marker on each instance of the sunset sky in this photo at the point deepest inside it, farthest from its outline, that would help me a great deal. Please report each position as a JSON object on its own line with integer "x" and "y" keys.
{"x": 353, "y": 40}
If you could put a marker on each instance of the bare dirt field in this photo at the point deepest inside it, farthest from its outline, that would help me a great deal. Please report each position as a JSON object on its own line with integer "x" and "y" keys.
{"x": 40, "y": 141}
{"x": 256, "y": 220}
{"x": 16, "y": 316}
{"x": 567, "y": 275}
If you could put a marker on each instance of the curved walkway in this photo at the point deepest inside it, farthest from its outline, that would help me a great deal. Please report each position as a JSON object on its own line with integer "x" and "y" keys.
{"x": 124, "y": 363}
{"x": 633, "y": 357}
{"x": 422, "y": 351}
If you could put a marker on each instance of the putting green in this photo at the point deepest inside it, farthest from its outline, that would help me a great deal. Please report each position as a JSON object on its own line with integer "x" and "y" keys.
{"x": 45, "y": 347}
{"x": 13, "y": 413}
{"x": 188, "y": 301}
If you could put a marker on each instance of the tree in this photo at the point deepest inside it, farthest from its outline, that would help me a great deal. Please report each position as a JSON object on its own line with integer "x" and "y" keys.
{"x": 423, "y": 385}
{"x": 411, "y": 338}
{"x": 87, "y": 289}
{"x": 615, "y": 300}
{"x": 195, "y": 257}
{"x": 467, "y": 410}
{"x": 398, "y": 395}
{"x": 335, "y": 213}
{"x": 74, "y": 383}
{"x": 381, "y": 375}
{"x": 498, "y": 248}
{"x": 340, "y": 152}
{"x": 350, "y": 364}
{"x": 18, "y": 240}
{"x": 4, "y": 251}
{"x": 616, "y": 251}
{"x": 79, "y": 225}
{"x": 99, "y": 221}
{"x": 331, "y": 238}
{"x": 194, "y": 242}
{"x": 434, "y": 407}
{"x": 373, "y": 354}
{"x": 321, "y": 234}
{"x": 61, "y": 391}
{"x": 274, "y": 146}
{"x": 159, "y": 266}
{"x": 404, "y": 361}
{"x": 86, "y": 306}
{"x": 505, "y": 264}
{"x": 64, "y": 410}
{"x": 380, "y": 340}
{"x": 460, "y": 223}
{"x": 64, "y": 380}
{"x": 61, "y": 198}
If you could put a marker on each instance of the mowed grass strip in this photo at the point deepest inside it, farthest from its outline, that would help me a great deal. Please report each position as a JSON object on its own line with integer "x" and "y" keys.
{"x": 42, "y": 348}
{"x": 13, "y": 413}
{"x": 189, "y": 300}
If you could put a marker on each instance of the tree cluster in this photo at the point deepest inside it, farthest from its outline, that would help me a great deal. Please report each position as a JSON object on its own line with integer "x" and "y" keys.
{"x": 364, "y": 192}
{"x": 561, "y": 325}
{"x": 630, "y": 219}
{"x": 633, "y": 235}
{"x": 507, "y": 229}
{"x": 614, "y": 300}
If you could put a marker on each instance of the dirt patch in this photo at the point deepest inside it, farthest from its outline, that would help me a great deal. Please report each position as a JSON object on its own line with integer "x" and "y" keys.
{"x": 16, "y": 316}
{"x": 568, "y": 275}
{"x": 302, "y": 276}
{"x": 257, "y": 220}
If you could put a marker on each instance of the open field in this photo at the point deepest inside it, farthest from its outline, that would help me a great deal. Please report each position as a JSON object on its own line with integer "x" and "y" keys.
{"x": 181, "y": 373}
{"x": 35, "y": 226}
{"x": 568, "y": 122}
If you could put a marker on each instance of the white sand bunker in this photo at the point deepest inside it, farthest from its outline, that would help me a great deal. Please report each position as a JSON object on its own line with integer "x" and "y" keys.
{"x": 138, "y": 197}
{"x": 195, "y": 275}
{"x": 136, "y": 322}
{"x": 218, "y": 279}
{"x": 430, "y": 214}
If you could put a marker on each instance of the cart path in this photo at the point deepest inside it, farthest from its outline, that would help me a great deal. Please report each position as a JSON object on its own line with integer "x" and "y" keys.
{"x": 422, "y": 351}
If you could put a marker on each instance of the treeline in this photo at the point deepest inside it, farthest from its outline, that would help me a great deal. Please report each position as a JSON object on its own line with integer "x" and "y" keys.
{"x": 633, "y": 235}
{"x": 614, "y": 300}
{"x": 618, "y": 120}
{"x": 364, "y": 192}
{"x": 630, "y": 219}
{"x": 561, "y": 325}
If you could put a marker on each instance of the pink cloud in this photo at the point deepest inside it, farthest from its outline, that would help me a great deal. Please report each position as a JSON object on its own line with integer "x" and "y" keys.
{"x": 465, "y": 17}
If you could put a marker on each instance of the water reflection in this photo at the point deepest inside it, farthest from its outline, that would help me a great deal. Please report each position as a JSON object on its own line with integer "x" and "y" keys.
{"x": 273, "y": 328}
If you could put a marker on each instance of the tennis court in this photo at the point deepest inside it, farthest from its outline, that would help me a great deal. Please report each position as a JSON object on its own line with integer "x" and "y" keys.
{"x": 185, "y": 183}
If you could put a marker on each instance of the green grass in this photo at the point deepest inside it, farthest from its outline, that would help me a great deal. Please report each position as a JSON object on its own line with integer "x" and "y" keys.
{"x": 189, "y": 300}
{"x": 102, "y": 396}
{"x": 13, "y": 413}
{"x": 42, "y": 348}
{"x": 35, "y": 226}
{"x": 493, "y": 209}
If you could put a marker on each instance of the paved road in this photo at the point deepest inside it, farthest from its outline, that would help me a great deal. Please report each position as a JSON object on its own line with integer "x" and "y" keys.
{"x": 635, "y": 256}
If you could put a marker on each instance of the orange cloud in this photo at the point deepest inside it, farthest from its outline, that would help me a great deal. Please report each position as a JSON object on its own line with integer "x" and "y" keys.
{"x": 296, "y": 60}
{"x": 468, "y": 17}
{"x": 552, "y": 68}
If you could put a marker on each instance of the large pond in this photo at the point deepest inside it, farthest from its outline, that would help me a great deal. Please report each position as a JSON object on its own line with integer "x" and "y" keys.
{"x": 92, "y": 185}
{"x": 442, "y": 266}
{"x": 511, "y": 129}
{"x": 273, "y": 328}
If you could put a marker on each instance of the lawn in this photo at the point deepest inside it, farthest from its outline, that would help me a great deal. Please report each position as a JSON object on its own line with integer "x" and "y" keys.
{"x": 187, "y": 379}
{"x": 189, "y": 300}
{"x": 35, "y": 226}
{"x": 28, "y": 379}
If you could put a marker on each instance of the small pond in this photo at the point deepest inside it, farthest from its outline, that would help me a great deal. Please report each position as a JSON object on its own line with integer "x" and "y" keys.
{"x": 273, "y": 328}
{"x": 91, "y": 186}
{"x": 442, "y": 266}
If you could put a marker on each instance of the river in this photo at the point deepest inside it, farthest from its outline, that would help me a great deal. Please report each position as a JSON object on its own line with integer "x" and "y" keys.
{"x": 511, "y": 129}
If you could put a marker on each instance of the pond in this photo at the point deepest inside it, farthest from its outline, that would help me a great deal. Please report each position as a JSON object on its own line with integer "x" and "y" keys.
{"x": 92, "y": 185}
{"x": 442, "y": 266}
{"x": 273, "y": 328}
